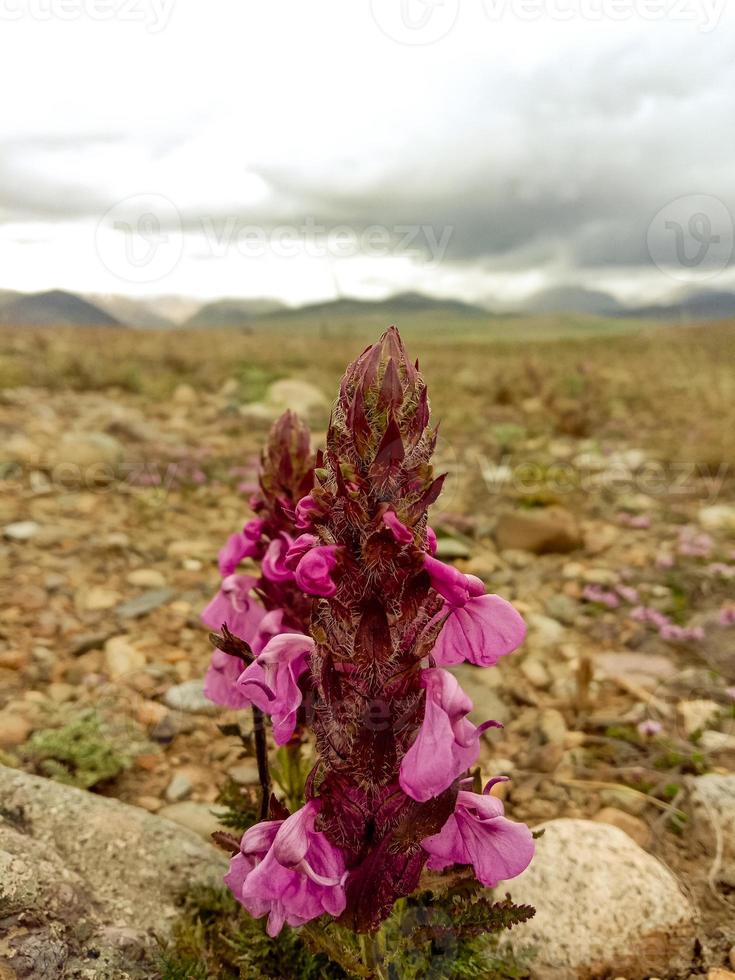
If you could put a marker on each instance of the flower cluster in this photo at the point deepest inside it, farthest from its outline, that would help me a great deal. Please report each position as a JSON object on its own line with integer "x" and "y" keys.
{"x": 269, "y": 612}
{"x": 389, "y": 792}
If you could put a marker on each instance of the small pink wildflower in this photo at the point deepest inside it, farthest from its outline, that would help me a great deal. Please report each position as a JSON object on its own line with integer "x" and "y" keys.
{"x": 694, "y": 544}
{"x": 314, "y": 571}
{"x": 637, "y": 522}
{"x": 719, "y": 569}
{"x": 727, "y": 616}
{"x": 649, "y": 727}
{"x": 628, "y": 593}
{"x": 593, "y": 593}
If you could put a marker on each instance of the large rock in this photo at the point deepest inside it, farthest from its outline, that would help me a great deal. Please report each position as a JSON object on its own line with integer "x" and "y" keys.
{"x": 713, "y": 800}
{"x": 300, "y": 396}
{"x": 88, "y": 884}
{"x": 551, "y": 529}
{"x": 604, "y": 907}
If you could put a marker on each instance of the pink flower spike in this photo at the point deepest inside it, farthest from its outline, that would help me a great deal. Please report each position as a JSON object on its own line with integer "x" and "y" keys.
{"x": 649, "y": 727}
{"x": 727, "y": 616}
{"x": 447, "y": 743}
{"x": 271, "y": 681}
{"x": 302, "y": 544}
{"x": 306, "y": 510}
{"x": 314, "y": 571}
{"x": 431, "y": 542}
{"x": 274, "y": 561}
{"x": 485, "y": 629}
{"x": 288, "y": 871}
{"x": 479, "y": 834}
{"x": 397, "y": 528}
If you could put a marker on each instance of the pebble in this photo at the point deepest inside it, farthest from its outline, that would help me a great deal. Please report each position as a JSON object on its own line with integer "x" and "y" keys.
{"x": 146, "y": 578}
{"x": 13, "y": 659}
{"x": 544, "y": 531}
{"x": 695, "y": 715}
{"x": 190, "y": 697}
{"x": 179, "y": 788}
{"x": 14, "y": 730}
{"x": 604, "y": 907}
{"x": 713, "y": 803}
{"x": 99, "y": 598}
{"x": 637, "y": 829}
{"x": 718, "y": 517}
{"x": 144, "y": 604}
{"x": 544, "y": 633}
{"x": 121, "y": 657}
{"x": 552, "y": 726}
{"x": 21, "y": 530}
{"x": 535, "y": 672}
{"x": 245, "y": 772}
{"x": 562, "y": 608}
{"x": 195, "y": 816}
{"x": 150, "y": 803}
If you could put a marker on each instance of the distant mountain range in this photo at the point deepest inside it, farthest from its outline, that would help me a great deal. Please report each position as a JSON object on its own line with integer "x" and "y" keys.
{"x": 233, "y": 312}
{"x": 55, "y": 308}
{"x": 60, "y": 308}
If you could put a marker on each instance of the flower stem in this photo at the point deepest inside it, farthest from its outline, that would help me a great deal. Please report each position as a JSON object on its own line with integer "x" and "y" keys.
{"x": 261, "y": 755}
{"x": 372, "y": 948}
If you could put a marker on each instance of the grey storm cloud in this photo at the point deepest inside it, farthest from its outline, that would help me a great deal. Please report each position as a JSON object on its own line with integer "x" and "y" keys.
{"x": 570, "y": 161}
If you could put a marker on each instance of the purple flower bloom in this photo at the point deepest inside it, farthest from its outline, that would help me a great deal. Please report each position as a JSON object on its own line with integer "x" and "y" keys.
{"x": 243, "y": 544}
{"x": 314, "y": 571}
{"x": 274, "y": 566}
{"x": 431, "y": 542}
{"x": 234, "y": 608}
{"x": 447, "y": 743}
{"x": 649, "y": 727}
{"x": 302, "y": 544}
{"x": 288, "y": 871}
{"x": 479, "y": 834}
{"x": 306, "y": 510}
{"x": 271, "y": 681}
{"x": 727, "y": 616}
{"x": 480, "y": 628}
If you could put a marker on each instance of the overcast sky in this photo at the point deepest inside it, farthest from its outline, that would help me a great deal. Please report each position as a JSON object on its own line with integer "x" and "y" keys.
{"x": 474, "y": 148}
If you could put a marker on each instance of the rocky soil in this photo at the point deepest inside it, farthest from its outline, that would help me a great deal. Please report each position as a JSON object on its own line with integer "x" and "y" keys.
{"x": 619, "y": 710}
